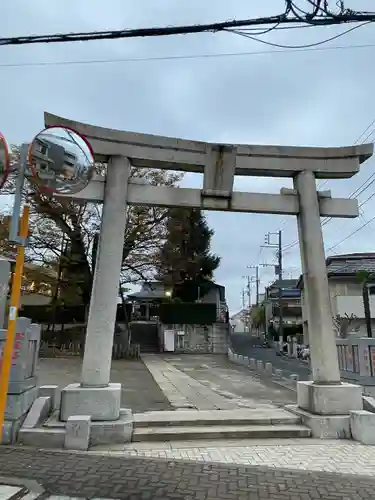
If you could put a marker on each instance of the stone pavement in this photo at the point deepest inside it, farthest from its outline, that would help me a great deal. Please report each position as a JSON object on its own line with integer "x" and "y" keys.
{"x": 11, "y": 492}
{"x": 343, "y": 457}
{"x": 139, "y": 390}
{"x": 87, "y": 476}
{"x": 209, "y": 382}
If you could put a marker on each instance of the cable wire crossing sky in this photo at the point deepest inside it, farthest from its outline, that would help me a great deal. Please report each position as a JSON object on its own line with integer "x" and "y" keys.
{"x": 249, "y": 85}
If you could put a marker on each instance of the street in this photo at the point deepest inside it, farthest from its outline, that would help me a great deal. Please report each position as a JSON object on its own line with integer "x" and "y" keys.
{"x": 245, "y": 344}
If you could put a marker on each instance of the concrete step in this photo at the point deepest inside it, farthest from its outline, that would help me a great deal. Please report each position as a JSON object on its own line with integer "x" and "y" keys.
{"x": 214, "y": 417}
{"x": 149, "y": 349}
{"x": 178, "y": 433}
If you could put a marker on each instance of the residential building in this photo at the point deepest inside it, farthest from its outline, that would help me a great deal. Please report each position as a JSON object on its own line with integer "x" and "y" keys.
{"x": 50, "y": 158}
{"x": 290, "y": 303}
{"x": 346, "y": 292}
{"x": 178, "y": 329}
{"x": 239, "y": 321}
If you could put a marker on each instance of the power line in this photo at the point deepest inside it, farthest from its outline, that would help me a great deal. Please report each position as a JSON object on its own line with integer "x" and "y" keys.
{"x": 351, "y": 234}
{"x": 357, "y": 192}
{"x": 183, "y": 57}
{"x": 309, "y": 45}
{"x": 327, "y": 20}
{"x": 145, "y": 32}
{"x": 364, "y": 132}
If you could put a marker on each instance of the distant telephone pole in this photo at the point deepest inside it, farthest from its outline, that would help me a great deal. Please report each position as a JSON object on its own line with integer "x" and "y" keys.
{"x": 280, "y": 259}
{"x": 279, "y": 272}
{"x": 256, "y": 282}
{"x": 248, "y": 290}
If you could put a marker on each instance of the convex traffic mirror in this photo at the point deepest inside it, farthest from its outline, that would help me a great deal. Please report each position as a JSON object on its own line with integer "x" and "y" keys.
{"x": 4, "y": 160}
{"x": 61, "y": 161}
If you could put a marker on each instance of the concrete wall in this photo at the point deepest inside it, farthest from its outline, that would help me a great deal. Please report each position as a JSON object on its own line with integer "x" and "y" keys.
{"x": 346, "y": 298}
{"x": 200, "y": 339}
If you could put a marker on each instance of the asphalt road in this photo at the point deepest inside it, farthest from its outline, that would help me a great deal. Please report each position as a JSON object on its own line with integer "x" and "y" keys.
{"x": 243, "y": 343}
{"x": 139, "y": 391}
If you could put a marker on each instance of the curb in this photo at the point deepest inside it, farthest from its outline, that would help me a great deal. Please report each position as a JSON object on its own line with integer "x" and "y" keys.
{"x": 31, "y": 489}
{"x": 266, "y": 369}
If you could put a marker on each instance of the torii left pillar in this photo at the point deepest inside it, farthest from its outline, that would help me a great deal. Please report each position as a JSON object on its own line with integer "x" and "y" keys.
{"x": 95, "y": 395}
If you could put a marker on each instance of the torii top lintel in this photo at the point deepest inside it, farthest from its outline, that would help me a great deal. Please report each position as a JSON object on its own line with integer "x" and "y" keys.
{"x": 154, "y": 151}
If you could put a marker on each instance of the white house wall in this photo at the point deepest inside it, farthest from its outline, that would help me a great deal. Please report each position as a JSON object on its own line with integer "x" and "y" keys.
{"x": 350, "y": 304}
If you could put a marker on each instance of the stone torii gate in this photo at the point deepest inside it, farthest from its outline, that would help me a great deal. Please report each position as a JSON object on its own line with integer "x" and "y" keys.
{"x": 325, "y": 395}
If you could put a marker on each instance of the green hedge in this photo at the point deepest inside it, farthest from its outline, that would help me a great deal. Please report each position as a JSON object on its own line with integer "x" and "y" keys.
{"x": 187, "y": 314}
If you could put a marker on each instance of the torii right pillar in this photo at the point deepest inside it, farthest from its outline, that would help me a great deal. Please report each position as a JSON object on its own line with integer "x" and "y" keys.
{"x": 324, "y": 402}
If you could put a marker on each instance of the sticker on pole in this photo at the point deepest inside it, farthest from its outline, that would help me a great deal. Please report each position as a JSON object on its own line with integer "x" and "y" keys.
{"x": 12, "y": 313}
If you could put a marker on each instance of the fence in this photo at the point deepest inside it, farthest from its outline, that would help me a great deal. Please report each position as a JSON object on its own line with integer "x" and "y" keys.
{"x": 65, "y": 315}
{"x": 357, "y": 359}
{"x": 72, "y": 349}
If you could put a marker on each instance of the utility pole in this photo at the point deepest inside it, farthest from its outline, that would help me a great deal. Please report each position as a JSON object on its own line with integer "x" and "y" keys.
{"x": 279, "y": 272}
{"x": 248, "y": 290}
{"x": 280, "y": 259}
{"x": 256, "y": 282}
{"x": 248, "y": 293}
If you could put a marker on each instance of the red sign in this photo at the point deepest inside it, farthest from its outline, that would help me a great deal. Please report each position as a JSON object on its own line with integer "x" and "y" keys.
{"x": 20, "y": 337}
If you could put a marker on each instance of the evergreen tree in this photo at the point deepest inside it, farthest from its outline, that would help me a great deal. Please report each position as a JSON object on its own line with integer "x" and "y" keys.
{"x": 186, "y": 251}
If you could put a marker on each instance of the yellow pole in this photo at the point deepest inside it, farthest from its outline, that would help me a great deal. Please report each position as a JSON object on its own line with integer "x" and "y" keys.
{"x": 12, "y": 318}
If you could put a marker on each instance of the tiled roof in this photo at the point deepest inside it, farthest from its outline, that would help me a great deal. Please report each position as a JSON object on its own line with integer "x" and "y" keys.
{"x": 347, "y": 264}
{"x": 284, "y": 283}
{"x": 350, "y": 263}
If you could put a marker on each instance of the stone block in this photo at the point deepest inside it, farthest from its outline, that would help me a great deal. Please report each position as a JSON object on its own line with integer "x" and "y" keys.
{"x": 336, "y": 399}
{"x": 38, "y": 413}
{"x": 10, "y": 431}
{"x": 268, "y": 368}
{"x": 253, "y": 363}
{"x": 362, "y": 426}
{"x": 42, "y": 437}
{"x": 53, "y": 392}
{"x": 117, "y": 432}
{"x": 19, "y": 404}
{"x": 293, "y": 376}
{"x": 303, "y": 400}
{"x": 324, "y": 426}
{"x": 245, "y": 361}
{"x": 260, "y": 365}
{"x": 20, "y": 386}
{"x": 278, "y": 373}
{"x": 368, "y": 403}
{"x": 101, "y": 403}
{"x": 77, "y": 433}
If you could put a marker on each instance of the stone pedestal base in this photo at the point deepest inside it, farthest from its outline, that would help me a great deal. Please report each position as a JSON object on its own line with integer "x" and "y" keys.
{"x": 324, "y": 426}
{"x": 100, "y": 403}
{"x": 337, "y": 399}
{"x": 362, "y": 426}
{"x": 18, "y": 406}
{"x": 325, "y": 409}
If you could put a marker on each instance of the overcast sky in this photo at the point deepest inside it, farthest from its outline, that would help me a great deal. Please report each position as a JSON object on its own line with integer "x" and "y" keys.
{"x": 312, "y": 97}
